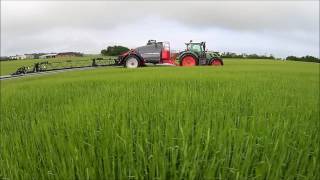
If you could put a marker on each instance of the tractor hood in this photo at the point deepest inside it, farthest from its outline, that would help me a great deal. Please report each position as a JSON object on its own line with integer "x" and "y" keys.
{"x": 211, "y": 54}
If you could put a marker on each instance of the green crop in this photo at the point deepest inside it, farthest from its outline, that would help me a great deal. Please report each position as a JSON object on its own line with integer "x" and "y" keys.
{"x": 245, "y": 120}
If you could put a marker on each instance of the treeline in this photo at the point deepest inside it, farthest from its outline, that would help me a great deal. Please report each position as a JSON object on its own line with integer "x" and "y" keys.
{"x": 114, "y": 50}
{"x": 256, "y": 56}
{"x": 245, "y": 56}
{"x": 303, "y": 58}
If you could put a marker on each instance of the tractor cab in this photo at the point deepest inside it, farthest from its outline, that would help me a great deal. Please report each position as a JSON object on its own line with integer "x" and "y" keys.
{"x": 199, "y": 49}
{"x": 196, "y": 47}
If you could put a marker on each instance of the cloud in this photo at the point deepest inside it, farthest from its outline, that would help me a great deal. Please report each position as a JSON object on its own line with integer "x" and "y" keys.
{"x": 251, "y": 26}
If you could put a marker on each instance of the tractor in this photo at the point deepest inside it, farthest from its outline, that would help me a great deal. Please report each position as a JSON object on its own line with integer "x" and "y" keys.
{"x": 196, "y": 54}
{"x": 159, "y": 53}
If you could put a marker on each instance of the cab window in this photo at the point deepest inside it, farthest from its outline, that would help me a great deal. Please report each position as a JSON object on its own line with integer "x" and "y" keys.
{"x": 195, "y": 47}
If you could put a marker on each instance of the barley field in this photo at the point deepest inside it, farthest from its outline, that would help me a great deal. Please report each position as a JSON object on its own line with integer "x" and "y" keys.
{"x": 250, "y": 119}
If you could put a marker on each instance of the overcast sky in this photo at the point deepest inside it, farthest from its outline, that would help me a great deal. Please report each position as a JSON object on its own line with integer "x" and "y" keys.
{"x": 269, "y": 27}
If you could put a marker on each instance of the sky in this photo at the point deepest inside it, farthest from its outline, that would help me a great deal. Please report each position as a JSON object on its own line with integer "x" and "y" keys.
{"x": 280, "y": 28}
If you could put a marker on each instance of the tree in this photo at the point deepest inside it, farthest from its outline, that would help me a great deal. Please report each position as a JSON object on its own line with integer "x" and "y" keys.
{"x": 4, "y": 58}
{"x": 114, "y": 50}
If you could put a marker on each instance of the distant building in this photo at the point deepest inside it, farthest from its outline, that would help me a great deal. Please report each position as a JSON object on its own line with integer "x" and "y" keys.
{"x": 69, "y": 54}
{"x": 30, "y": 56}
{"x": 16, "y": 57}
{"x": 37, "y": 55}
{"x": 45, "y": 55}
{"x": 12, "y": 57}
{"x": 48, "y": 56}
{"x": 24, "y": 56}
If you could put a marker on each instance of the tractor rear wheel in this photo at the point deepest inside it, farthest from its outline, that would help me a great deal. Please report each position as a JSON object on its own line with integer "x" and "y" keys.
{"x": 188, "y": 61}
{"x": 216, "y": 62}
{"x": 132, "y": 62}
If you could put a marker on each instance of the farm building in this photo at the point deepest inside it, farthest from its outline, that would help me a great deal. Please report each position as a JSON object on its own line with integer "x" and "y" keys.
{"x": 69, "y": 54}
{"x": 37, "y": 55}
{"x": 29, "y": 56}
{"x": 47, "y": 56}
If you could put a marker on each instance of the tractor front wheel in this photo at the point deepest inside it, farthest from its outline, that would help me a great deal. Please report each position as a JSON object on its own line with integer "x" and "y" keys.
{"x": 216, "y": 62}
{"x": 188, "y": 61}
{"x": 132, "y": 62}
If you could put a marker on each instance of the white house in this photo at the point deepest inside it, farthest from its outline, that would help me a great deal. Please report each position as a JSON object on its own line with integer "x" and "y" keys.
{"x": 18, "y": 57}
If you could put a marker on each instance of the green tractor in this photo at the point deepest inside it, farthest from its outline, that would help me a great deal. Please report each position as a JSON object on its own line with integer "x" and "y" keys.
{"x": 196, "y": 54}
